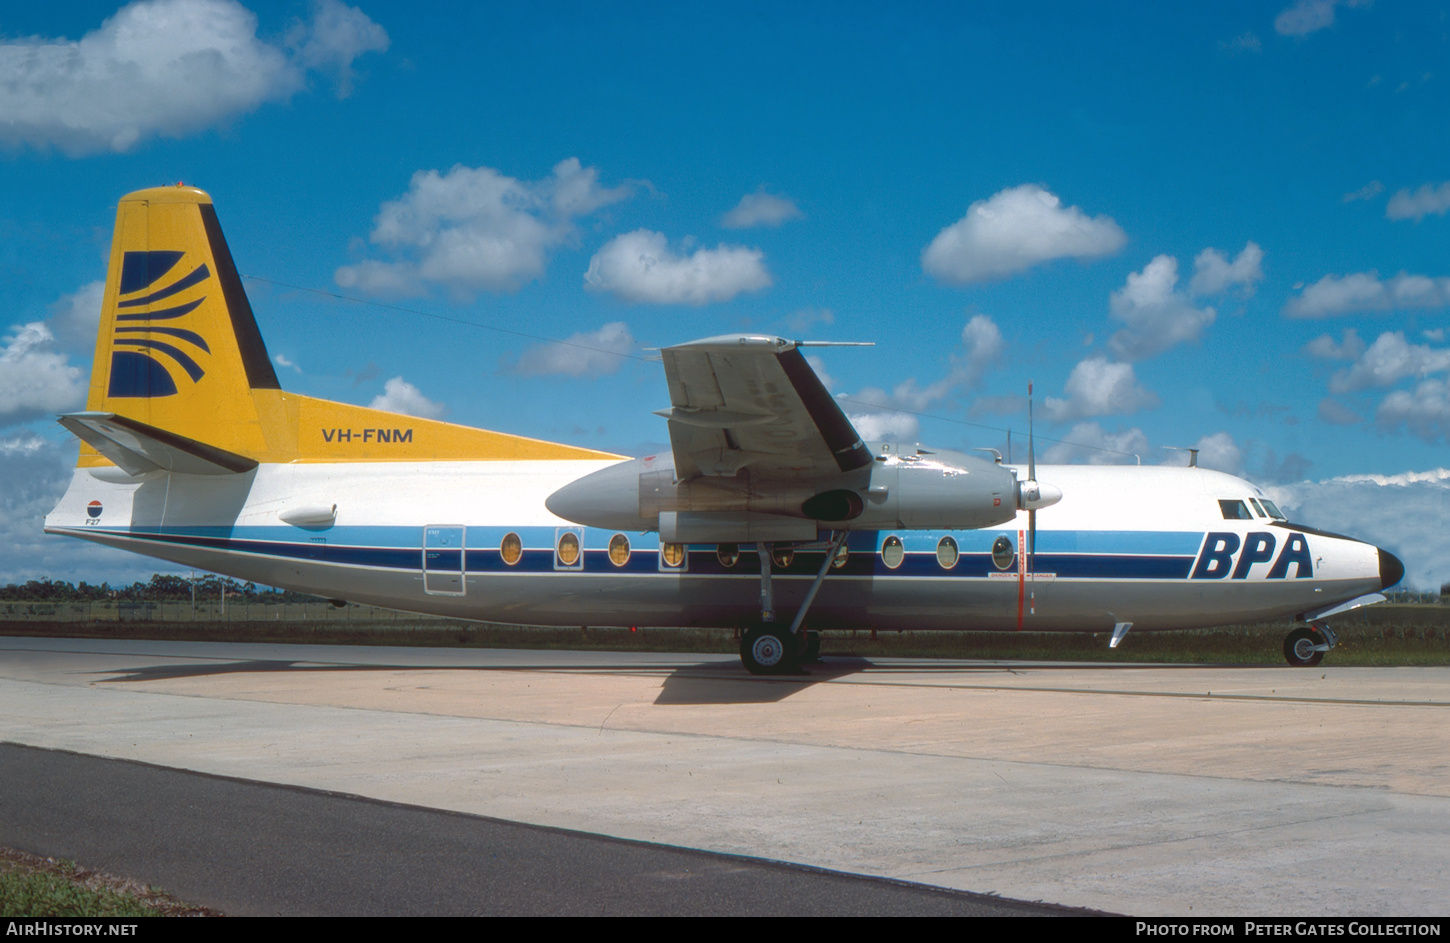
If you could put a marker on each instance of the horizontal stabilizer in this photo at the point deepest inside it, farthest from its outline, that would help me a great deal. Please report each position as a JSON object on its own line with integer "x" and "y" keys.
{"x": 138, "y": 448}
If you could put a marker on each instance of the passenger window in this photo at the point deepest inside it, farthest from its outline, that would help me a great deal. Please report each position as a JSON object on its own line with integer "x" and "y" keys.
{"x": 892, "y": 552}
{"x": 946, "y": 553}
{"x": 619, "y": 550}
{"x": 1002, "y": 553}
{"x": 728, "y": 554}
{"x": 1235, "y": 511}
{"x": 512, "y": 549}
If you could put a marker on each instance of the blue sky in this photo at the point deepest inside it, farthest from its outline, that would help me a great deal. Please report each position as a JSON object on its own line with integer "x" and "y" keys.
{"x": 1220, "y": 226}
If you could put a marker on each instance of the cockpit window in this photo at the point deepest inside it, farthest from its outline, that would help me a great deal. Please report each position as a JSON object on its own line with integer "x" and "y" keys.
{"x": 1274, "y": 511}
{"x": 1257, "y": 510}
{"x": 1235, "y": 511}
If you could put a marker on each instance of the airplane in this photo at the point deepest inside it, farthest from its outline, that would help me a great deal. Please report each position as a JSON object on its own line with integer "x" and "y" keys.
{"x": 769, "y": 514}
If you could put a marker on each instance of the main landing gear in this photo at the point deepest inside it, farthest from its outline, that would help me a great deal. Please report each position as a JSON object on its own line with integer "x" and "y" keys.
{"x": 769, "y": 648}
{"x": 1305, "y": 647}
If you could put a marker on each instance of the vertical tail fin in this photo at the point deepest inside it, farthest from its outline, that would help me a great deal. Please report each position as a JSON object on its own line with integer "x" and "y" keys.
{"x": 178, "y": 348}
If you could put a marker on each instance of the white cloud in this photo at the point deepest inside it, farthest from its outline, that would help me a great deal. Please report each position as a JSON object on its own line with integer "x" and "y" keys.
{"x": 889, "y": 415}
{"x": 1157, "y": 316}
{"x": 35, "y": 380}
{"x": 75, "y": 318}
{"x": 1323, "y": 347}
{"x": 639, "y": 266}
{"x": 761, "y": 209}
{"x": 1387, "y": 361}
{"x": 337, "y": 35}
{"x": 1336, "y": 413}
{"x": 1425, "y": 412}
{"x": 1310, "y": 16}
{"x": 819, "y": 366}
{"x": 1099, "y": 387}
{"x": 803, "y": 320}
{"x": 400, "y": 396}
{"x": 1247, "y": 41}
{"x": 167, "y": 67}
{"x": 1367, "y": 192}
{"x": 1423, "y": 202}
{"x": 282, "y": 361}
{"x": 1087, "y": 443}
{"x": 1214, "y": 274}
{"x": 474, "y": 229}
{"x": 1219, "y": 452}
{"x": 1013, "y": 231}
{"x": 592, "y": 354}
{"x": 1364, "y": 291}
{"x": 1404, "y": 513}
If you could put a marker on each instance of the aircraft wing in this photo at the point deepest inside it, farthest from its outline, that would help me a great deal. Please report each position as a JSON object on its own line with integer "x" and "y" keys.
{"x": 747, "y": 401}
{"x": 139, "y": 448}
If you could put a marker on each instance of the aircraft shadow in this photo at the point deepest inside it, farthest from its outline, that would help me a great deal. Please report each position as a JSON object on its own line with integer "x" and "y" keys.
{"x": 717, "y": 683}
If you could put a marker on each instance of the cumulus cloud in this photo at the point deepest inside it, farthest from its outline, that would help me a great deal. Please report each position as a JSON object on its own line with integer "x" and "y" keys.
{"x": 1087, "y": 443}
{"x": 400, "y": 396}
{"x": 1323, "y": 347}
{"x": 761, "y": 209}
{"x": 336, "y": 36}
{"x": 803, "y": 320}
{"x": 1219, "y": 452}
{"x": 1310, "y": 16}
{"x": 1247, "y": 41}
{"x": 640, "y": 266}
{"x": 1427, "y": 200}
{"x": 35, "y": 379}
{"x": 1013, "y": 231}
{"x": 474, "y": 229}
{"x": 1214, "y": 274}
{"x": 1367, "y": 192}
{"x": 889, "y": 415}
{"x": 1335, "y": 295}
{"x": 1099, "y": 387}
{"x": 593, "y": 353}
{"x": 1403, "y": 513}
{"x": 1156, "y": 315}
{"x": 1336, "y": 413}
{"x": 75, "y": 318}
{"x": 1424, "y": 412}
{"x": 1387, "y": 361}
{"x": 165, "y": 67}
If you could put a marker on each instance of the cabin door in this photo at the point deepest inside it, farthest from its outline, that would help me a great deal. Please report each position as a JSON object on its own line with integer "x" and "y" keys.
{"x": 443, "y": 560}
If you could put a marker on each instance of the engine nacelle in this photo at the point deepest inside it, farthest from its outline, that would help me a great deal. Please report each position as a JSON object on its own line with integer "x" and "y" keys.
{"x": 915, "y": 489}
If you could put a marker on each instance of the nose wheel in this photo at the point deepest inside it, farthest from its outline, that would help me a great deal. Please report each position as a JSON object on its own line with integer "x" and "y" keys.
{"x": 1305, "y": 648}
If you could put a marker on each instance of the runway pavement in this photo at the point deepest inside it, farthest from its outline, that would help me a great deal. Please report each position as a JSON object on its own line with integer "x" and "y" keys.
{"x": 1144, "y": 790}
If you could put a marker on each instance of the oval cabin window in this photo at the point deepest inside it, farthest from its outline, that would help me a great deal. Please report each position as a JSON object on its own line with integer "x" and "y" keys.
{"x": 1002, "y": 553}
{"x": 673, "y": 554}
{"x": 892, "y": 552}
{"x": 619, "y": 550}
{"x": 511, "y": 549}
{"x": 946, "y": 553}
{"x": 568, "y": 548}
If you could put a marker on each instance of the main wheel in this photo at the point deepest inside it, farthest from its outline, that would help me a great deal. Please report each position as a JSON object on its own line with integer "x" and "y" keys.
{"x": 767, "y": 650}
{"x": 1300, "y": 648}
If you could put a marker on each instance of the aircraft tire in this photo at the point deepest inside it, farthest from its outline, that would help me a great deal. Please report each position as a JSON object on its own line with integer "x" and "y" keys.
{"x": 1298, "y": 648}
{"x": 766, "y": 650}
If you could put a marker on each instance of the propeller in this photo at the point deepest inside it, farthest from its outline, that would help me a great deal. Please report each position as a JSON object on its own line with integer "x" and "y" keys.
{"x": 1032, "y": 494}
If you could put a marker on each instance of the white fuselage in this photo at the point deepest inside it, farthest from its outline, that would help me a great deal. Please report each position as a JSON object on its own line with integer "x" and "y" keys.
{"x": 1146, "y": 545}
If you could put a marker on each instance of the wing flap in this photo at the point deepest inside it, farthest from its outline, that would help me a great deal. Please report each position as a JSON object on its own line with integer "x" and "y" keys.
{"x": 138, "y": 448}
{"x": 746, "y": 401}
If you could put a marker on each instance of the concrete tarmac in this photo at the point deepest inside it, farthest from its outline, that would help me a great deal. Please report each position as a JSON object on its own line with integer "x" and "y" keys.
{"x": 1147, "y": 790}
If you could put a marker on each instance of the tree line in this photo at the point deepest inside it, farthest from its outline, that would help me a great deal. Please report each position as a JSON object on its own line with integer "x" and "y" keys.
{"x": 161, "y": 588}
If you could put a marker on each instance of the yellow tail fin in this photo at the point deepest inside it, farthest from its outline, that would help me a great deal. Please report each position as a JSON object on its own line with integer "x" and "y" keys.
{"x": 179, "y": 351}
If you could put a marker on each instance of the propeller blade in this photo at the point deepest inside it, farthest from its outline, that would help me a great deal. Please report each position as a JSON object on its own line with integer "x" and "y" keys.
{"x": 1031, "y": 446}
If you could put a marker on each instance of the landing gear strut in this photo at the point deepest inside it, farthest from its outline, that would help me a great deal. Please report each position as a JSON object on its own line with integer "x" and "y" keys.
{"x": 769, "y": 648}
{"x": 1305, "y": 648}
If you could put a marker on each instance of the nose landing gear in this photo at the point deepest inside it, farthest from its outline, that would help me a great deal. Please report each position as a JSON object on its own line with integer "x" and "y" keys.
{"x": 1305, "y": 648}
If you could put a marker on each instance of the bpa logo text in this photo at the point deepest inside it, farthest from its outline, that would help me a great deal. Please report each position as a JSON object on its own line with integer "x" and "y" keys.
{"x": 1216, "y": 559}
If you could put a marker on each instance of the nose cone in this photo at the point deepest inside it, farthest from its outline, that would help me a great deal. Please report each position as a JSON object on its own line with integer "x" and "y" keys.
{"x": 1391, "y": 569}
